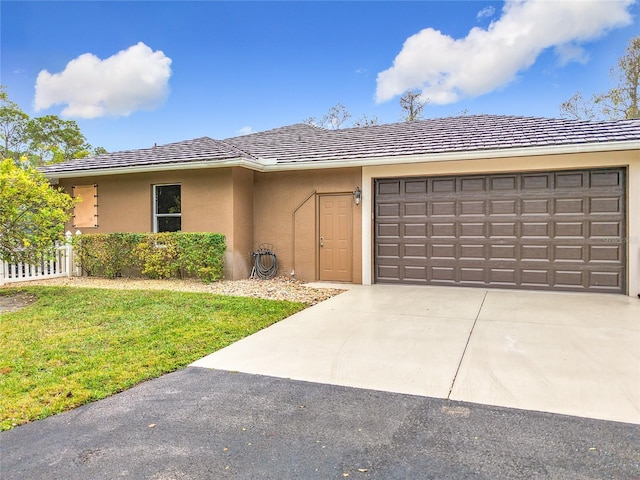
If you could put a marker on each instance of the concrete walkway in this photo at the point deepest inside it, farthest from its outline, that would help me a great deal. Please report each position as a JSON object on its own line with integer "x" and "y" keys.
{"x": 568, "y": 353}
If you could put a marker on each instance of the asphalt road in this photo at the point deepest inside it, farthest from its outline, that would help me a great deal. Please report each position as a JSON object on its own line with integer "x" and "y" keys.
{"x": 206, "y": 424}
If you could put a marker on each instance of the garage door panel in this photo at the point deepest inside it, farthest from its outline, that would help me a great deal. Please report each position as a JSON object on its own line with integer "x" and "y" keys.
{"x": 388, "y": 187}
{"x": 391, "y": 230}
{"x": 473, "y": 252}
{"x": 443, "y": 209}
{"x": 440, "y": 251}
{"x": 503, "y": 229}
{"x": 537, "y": 230}
{"x": 503, "y": 276}
{"x": 569, "y": 253}
{"x": 411, "y": 230}
{"x": 571, "y": 229}
{"x": 389, "y": 250}
{"x": 415, "y": 209}
{"x": 418, "y": 250}
{"x": 416, "y": 273}
{"x": 606, "y": 280}
{"x": 569, "y": 206}
{"x": 606, "y": 179}
{"x": 536, "y": 182}
{"x": 502, "y": 252}
{"x": 606, "y": 253}
{"x": 571, "y": 180}
{"x": 470, "y": 275}
{"x": 472, "y": 208}
{"x": 473, "y": 184}
{"x": 443, "y": 185}
{"x": 538, "y": 206}
{"x": 557, "y": 230}
{"x": 504, "y": 182}
{"x": 503, "y": 207}
{"x": 606, "y": 229}
{"x": 605, "y": 205}
{"x": 442, "y": 230}
{"x": 391, "y": 210}
{"x": 569, "y": 278}
{"x": 536, "y": 253}
{"x": 415, "y": 186}
{"x": 535, "y": 277}
{"x": 442, "y": 274}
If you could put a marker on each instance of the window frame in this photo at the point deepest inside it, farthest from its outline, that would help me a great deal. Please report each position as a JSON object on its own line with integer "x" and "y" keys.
{"x": 154, "y": 200}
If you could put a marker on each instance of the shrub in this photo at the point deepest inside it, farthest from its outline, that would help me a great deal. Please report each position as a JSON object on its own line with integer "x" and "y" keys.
{"x": 106, "y": 254}
{"x": 157, "y": 255}
{"x": 202, "y": 254}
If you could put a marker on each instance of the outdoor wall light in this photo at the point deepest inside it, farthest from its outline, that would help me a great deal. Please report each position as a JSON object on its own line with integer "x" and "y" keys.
{"x": 357, "y": 195}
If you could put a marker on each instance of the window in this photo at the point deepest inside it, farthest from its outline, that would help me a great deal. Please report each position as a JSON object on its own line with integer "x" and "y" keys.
{"x": 85, "y": 213}
{"x": 166, "y": 208}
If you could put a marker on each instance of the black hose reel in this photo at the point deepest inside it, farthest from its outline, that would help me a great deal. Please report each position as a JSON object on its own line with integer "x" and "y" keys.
{"x": 265, "y": 263}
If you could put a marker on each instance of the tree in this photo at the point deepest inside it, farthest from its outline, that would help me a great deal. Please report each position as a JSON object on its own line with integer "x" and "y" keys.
{"x": 621, "y": 102}
{"x": 13, "y": 125}
{"x": 578, "y": 108}
{"x": 365, "y": 121}
{"x": 53, "y": 140}
{"x": 38, "y": 141}
{"x": 412, "y": 103}
{"x": 336, "y": 117}
{"x": 32, "y": 213}
{"x": 333, "y": 119}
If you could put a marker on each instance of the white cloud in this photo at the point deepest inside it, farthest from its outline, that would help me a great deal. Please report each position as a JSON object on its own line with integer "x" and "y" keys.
{"x": 486, "y": 12}
{"x": 245, "y": 131}
{"x": 570, "y": 52}
{"x": 448, "y": 69}
{"x": 133, "y": 79}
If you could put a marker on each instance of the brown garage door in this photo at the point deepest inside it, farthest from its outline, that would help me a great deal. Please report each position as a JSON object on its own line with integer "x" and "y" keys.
{"x": 552, "y": 231}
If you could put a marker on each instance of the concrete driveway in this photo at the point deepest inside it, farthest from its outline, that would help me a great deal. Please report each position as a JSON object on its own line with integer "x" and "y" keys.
{"x": 569, "y": 353}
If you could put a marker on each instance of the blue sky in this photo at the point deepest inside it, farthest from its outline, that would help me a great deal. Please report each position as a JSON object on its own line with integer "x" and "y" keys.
{"x": 132, "y": 74}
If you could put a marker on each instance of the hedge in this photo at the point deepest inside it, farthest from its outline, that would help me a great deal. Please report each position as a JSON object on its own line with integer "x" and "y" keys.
{"x": 154, "y": 255}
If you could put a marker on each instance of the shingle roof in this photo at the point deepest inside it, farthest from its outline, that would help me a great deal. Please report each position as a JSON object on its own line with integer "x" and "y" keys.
{"x": 303, "y": 143}
{"x": 196, "y": 150}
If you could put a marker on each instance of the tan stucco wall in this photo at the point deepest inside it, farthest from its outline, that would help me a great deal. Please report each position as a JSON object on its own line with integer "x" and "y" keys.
{"x": 278, "y": 195}
{"x": 625, "y": 158}
{"x": 125, "y": 204}
{"x": 242, "y": 240}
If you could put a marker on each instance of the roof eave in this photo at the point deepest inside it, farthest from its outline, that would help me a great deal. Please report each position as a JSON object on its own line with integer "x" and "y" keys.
{"x": 270, "y": 166}
{"x": 234, "y": 162}
{"x": 459, "y": 155}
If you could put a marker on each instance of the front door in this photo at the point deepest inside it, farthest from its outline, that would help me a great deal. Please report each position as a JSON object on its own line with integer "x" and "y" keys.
{"x": 335, "y": 238}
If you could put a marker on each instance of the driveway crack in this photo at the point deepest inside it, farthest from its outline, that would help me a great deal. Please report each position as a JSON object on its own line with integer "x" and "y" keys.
{"x": 475, "y": 320}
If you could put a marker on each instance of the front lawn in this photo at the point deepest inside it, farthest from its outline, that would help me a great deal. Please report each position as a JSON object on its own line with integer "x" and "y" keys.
{"x": 76, "y": 345}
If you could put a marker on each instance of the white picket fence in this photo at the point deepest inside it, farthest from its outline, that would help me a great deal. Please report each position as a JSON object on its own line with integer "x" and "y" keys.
{"x": 58, "y": 265}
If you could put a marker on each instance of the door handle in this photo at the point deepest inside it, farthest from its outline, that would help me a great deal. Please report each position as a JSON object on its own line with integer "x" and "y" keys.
{"x": 322, "y": 241}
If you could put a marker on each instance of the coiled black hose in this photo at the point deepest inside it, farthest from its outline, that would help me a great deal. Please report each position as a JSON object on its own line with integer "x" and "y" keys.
{"x": 265, "y": 264}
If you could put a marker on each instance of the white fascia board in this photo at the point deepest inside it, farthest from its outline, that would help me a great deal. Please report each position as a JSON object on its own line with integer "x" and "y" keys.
{"x": 456, "y": 156}
{"x": 236, "y": 162}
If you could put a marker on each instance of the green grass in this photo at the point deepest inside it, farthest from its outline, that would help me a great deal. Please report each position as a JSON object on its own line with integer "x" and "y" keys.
{"x": 76, "y": 345}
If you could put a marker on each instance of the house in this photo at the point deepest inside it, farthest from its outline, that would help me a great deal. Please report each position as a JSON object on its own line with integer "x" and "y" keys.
{"x": 491, "y": 201}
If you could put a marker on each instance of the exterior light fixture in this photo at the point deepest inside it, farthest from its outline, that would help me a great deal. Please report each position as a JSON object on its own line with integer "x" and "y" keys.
{"x": 357, "y": 195}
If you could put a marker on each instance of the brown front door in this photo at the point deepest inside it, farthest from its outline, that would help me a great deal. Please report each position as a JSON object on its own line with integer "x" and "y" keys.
{"x": 335, "y": 238}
